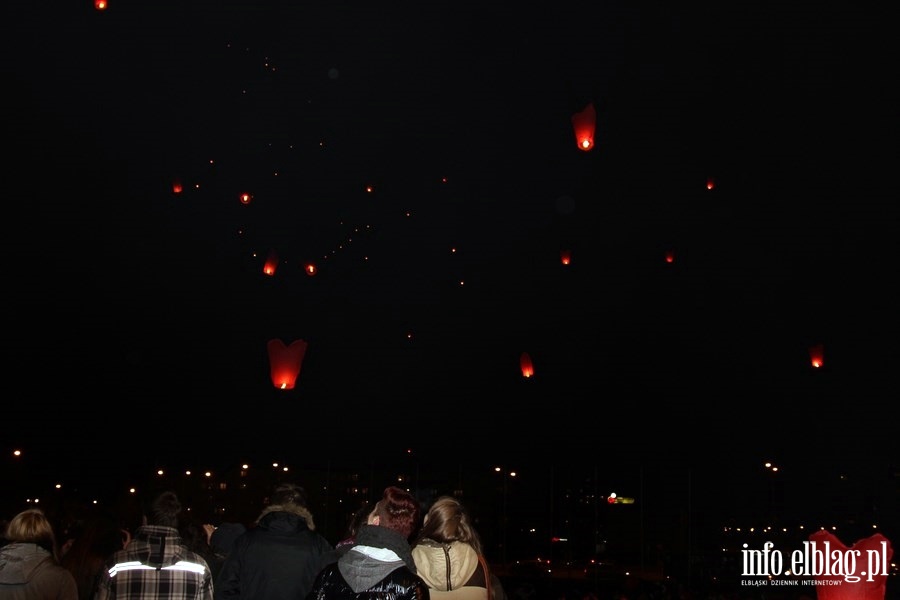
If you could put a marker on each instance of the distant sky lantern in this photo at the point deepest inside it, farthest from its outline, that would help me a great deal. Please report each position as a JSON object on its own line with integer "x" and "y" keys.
{"x": 584, "y": 123}
{"x": 177, "y": 188}
{"x": 310, "y": 269}
{"x": 285, "y": 362}
{"x": 271, "y": 263}
{"x": 817, "y": 356}
{"x": 100, "y": 4}
{"x": 670, "y": 256}
{"x": 565, "y": 256}
{"x": 526, "y": 365}
{"x": 246, "y": 198}
{"x": 710, "y": 183}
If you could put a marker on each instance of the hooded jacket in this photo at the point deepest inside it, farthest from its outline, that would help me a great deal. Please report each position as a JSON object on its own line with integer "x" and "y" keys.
{"x": 155, "y": 565}
{"x": 377, "y": 564}
{"x": 450, "y": 570}
{"x": 277, "y": 559}
{"x": 29, "y": 572}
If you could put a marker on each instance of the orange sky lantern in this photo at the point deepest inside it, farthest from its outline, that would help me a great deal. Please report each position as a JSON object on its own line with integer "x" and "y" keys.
{"x": 526, "y": 365}
{"x": 285, "y": 362}
{"x": 817, "y": 356}
{"x": 271, "y": 263}
{"x": 585, "y": 123}
{"x": 100, "y": 4}
{"x": 565, "y": 256}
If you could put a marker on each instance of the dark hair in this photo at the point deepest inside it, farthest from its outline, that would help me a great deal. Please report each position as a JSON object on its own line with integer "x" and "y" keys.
{"x": 289, "y": 493}
{"x": 193, "y": 535}
{"x": 356, "y": 519}
{"x": 398, "y": 510}
{"x": 162, "y": 508}
{"x": 222, "y": 539}
{"x": 359, "y": 518}
{"x": 95, "y": 539}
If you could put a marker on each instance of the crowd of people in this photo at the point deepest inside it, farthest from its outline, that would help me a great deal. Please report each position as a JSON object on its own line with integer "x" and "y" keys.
{"x": 393, "y": 548}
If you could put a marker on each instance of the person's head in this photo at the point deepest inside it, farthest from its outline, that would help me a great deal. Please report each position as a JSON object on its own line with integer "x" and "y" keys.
{"x": 162, "y": 508}
{"x": 222, "y": 539}
{"x": 288, "y": 498}
{"x": 285, "y": 494}
{"x": 447, "y": 520}
{"x": 193, "y": 534}
{"x": 32, "y": 526}
{"x": 97, "y": 534}
{"x": 96, "y": 537}
{"x": 359, "y": 517}
{"x": 397, "y": 510}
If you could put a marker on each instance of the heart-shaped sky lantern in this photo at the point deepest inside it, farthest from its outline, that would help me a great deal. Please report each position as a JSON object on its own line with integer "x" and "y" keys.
{"x": 285, "y": 362}
{"x": 872, "y": 564}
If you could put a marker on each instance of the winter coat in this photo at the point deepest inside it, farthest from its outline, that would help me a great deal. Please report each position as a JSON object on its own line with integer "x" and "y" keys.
{"x": 399, "y": 584}
{"x": 156, "y": 565}
{"x": 29, "y": 572}
{"x": 377, "y": 565}
{"x": 277, "y": 559}
{"x": 450, "y": 570}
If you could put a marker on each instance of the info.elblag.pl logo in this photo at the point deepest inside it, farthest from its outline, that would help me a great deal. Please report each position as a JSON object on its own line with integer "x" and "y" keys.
{"x": 819, "y": 562}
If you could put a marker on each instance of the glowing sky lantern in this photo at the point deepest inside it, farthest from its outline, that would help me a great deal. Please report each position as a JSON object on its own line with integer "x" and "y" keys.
{"x": 100, "y": 4}
{"x": 565, "y": 256}
{"x": 817, "y": 356}
{"x": 669, "y": 256}
{"x": 285, "y": 362}
{"x": 584, "y": 123}
{"x": 311, "y": 269}
{"x": 271, "y": 263}
{"x": 177, "y": 188}
{"x": 872, "y": 566}
{"x": 526, "y": 365}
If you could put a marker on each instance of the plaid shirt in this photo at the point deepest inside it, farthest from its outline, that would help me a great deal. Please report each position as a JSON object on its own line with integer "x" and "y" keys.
{"x": 156, "y": 565}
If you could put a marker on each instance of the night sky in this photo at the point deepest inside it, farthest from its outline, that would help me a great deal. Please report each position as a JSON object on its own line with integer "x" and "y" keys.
{"x": 138, "y": 317}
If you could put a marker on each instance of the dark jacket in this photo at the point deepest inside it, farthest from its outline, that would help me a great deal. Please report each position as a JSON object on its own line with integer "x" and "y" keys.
{"x": 378, "y": 564}
{"x": 278, "y": 559}
{"x": 400, "y": 584}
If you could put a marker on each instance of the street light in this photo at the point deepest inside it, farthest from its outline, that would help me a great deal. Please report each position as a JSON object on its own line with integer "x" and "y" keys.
{"x": 773, "y": 508}
{"x": 504, "y": 521}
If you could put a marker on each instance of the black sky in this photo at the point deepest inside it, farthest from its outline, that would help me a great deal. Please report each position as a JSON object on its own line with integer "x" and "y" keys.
{"x": 129, "y": 305}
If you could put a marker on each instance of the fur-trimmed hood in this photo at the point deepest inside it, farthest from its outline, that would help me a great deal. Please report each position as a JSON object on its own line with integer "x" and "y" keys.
{"x": 293, "y": 509}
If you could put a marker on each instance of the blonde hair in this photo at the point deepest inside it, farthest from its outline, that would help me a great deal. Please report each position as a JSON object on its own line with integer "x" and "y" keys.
{"x": 448, "y": 521}
{"x": 32, "y": 526}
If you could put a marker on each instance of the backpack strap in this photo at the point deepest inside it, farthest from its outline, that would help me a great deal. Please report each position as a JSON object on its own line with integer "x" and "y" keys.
{"x": 487, "y": 577}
